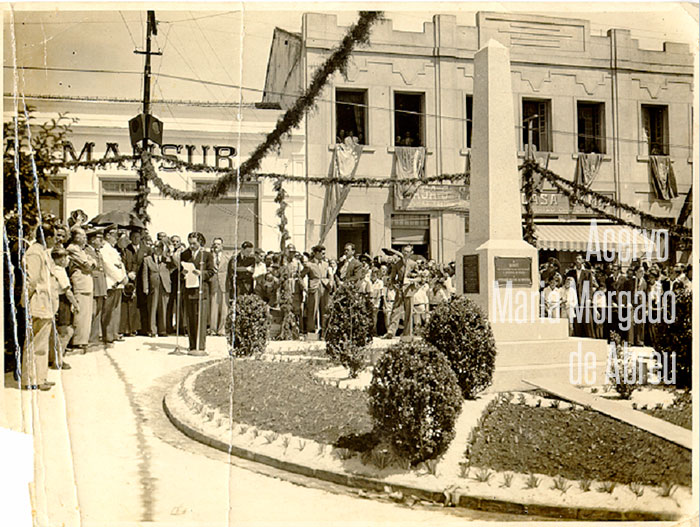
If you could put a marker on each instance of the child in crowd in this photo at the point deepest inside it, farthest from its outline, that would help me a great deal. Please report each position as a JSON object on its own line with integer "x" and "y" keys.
{"x": 67, "y": 307}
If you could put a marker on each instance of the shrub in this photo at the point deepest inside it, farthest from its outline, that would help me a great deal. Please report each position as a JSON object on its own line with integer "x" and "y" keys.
{"x": 349, "y": 328}
{"x": 414, "y": 400}
{"x": 623, "y": 368}
{"x": 461, "y": 331}
{"x": 678, "y": 337}
{"x": 250, "y": 327}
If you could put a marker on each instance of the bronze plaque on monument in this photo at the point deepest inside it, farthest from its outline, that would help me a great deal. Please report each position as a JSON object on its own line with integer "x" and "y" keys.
{"x": 470, "y": 274}
{"x": 517, "y": 271}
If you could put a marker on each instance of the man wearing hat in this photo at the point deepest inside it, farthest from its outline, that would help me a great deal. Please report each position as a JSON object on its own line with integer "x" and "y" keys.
{"x": 402, "y": 278}
{"x": 350, "y": 269}
{"x": 196, "y": 297}
{"x": 319, "y": 289}
{"x": 115, "y": 277}
{"x": 99, "y": 290}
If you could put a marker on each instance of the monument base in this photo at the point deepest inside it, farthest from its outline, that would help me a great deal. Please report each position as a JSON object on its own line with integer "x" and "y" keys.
{"x": 564, "y": 360}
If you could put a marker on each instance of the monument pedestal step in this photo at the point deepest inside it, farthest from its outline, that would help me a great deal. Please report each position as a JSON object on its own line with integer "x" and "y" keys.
{"x": 566, "y": 360}
{"x": 539, "y": 329}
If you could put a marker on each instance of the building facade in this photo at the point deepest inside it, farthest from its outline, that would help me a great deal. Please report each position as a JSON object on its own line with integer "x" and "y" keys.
{"x": 574, "y": 93}
{"x": 196, "y": 132}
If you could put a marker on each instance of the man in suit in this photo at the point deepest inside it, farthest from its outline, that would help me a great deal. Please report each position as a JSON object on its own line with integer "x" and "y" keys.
{"x": 585, "y": 287}
{"x": 136, "y": 309}
{"x": 351, "y": 269}
{"x": 172, "y": 318}
{"x": 99, "y": 290}
{"x": 196, "y": 297}
{"x": 219, "y": 300}
{"x": 401, "y": 278}
{"x": 239, "y": 274}
{"x": 81, "y": 266}
{"x": 319, "y": 289}
{"x": 155, "y": 279}
{"x": 116, "y": 279}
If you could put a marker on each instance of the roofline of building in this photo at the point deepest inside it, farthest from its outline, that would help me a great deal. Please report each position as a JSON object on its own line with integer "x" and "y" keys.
{"x": 125, "y": 100}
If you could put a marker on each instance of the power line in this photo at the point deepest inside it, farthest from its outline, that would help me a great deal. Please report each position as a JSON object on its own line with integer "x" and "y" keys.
{"x": 224, "y": 13}
{"x": 133, "y": 40}
{"x": 320, "y": 99}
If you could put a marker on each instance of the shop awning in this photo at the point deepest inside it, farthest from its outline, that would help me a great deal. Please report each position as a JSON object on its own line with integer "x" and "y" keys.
{"x": 612, "y": 238}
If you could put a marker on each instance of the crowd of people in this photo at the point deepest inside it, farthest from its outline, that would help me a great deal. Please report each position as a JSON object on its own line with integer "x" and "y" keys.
{"x": 90, "y": 286}
{"x": 600, "y": 299}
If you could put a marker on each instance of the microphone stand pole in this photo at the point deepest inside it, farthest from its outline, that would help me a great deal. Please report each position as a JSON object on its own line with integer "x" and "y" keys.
{"x": 177, "y": 311}
{"x": 199, "y": 303}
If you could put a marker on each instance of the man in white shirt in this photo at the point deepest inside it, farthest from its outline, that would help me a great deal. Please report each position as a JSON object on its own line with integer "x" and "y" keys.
{"x": 218, "y": 308}
{"x": 116, "y": 278}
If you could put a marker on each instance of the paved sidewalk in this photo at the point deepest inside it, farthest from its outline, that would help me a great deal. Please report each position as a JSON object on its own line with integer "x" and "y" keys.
{"x": 659, "y": 427}
{"x": 109, "y": 455}
{"x": 42, "y": 415}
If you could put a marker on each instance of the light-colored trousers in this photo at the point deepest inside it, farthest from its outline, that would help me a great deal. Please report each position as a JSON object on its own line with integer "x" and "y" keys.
{"x": 82, "y": 320}
{"x": 35, "y": 356}
{"x": 218, "y": 311}
{"x": 58, "y": 342}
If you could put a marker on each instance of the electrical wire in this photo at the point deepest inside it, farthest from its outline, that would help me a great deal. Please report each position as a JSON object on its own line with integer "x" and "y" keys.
{"x": 133, "y": 40}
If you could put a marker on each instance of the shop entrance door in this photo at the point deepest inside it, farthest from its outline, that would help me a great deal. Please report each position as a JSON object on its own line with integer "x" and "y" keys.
{"x": 353, "y": 228}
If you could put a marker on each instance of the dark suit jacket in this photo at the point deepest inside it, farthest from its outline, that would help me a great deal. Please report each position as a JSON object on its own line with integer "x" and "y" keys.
{"x": 399, "y": 271}
{"x": 153, "y": 273}
{"x": 585, "y": 278}
{"x": 133, "y": 259}
{"x": 353, "y": 272}
{"x": 207, "y": 273}
{"x": 244, "y": 279}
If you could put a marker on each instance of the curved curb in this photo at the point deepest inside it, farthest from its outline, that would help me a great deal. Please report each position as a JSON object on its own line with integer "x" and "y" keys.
{"x": 184, "y": 394}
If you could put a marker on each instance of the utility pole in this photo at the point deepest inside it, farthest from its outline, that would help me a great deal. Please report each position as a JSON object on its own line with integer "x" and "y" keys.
{"x": 151, "y": 29}
{"x": 145, "y": 127}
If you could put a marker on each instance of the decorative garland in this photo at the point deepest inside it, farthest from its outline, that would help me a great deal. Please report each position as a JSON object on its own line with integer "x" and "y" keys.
{"x": 290, "y": 325}
{"x": 97, "y": 163}
{"x": 529, "y": 215}
{"x": 141, "y": 202}
{"x": 329, "y": 180}
{"x": 357, "y": 34}
{"x": 576, "y": 193}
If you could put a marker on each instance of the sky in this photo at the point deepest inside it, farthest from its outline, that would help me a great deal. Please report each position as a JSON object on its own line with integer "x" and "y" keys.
{"x": 229, "y": 43}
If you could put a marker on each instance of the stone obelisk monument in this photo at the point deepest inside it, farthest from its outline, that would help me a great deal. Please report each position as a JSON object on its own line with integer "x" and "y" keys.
{"x": 495, "y": 252}
{"x": 496, "y": 268}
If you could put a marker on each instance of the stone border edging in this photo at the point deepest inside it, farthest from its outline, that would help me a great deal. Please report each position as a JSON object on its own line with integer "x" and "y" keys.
{"x": 185, "y": 391}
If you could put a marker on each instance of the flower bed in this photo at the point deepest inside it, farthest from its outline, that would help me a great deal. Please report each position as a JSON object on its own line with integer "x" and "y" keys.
{"x": 285, "y": 398}
{"x": 575, "y": 444}
{"x": 680, "y": 412}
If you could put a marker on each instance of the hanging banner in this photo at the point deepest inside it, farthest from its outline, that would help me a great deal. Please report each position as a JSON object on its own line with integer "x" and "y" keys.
{"x": 346, "y": 158}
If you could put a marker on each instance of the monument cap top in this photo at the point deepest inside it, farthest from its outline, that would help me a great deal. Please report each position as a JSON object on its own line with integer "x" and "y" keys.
{"x": 493, "y": 43}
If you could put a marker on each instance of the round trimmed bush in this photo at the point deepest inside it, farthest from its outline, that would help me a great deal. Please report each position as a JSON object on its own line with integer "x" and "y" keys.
{"x": 677, "y": 337}
{"x": 461, "y": 331}
{"x": 250, "y": 326}
{"x": 349, "y": 328}
{"x": 414, "y": 400}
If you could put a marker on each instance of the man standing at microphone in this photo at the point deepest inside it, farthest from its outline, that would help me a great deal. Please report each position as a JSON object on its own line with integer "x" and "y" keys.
{"x": 198, "y": 270}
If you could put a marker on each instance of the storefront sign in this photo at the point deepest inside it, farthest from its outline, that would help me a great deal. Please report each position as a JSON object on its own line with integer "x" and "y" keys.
{"x": 436, "y": 197}
{"x": 215, "y": 156}
{"x": 470, "y": 274}
{"x": 517, "y": 271}
{"x": 555, "y": 204}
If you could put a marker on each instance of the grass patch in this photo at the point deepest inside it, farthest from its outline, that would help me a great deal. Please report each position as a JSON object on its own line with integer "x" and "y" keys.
{"x": 680, "y": 412}
{"x": 285, "y": 398}
{"x": 575, "y": 445}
